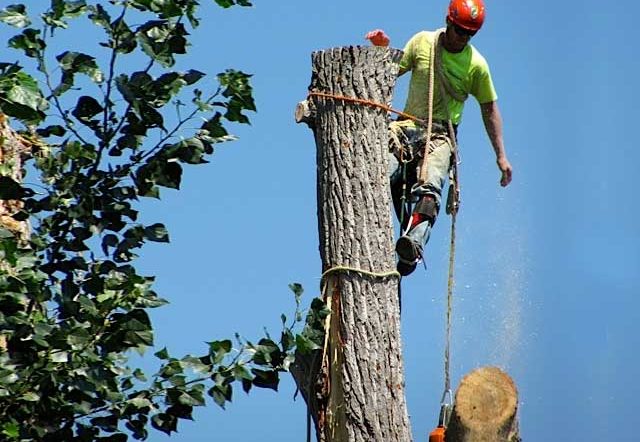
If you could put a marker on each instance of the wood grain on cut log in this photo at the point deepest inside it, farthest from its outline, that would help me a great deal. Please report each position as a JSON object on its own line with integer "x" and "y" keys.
{"x": 362, "y": 372}
{"x": 486, "y": 405}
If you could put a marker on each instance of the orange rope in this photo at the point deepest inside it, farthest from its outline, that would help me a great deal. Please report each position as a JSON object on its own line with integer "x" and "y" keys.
{"x": 368, "y": 103}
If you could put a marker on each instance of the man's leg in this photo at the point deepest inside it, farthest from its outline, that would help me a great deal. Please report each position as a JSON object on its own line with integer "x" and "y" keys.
{"x": 401, "y": 176}
{"x": 409, "y": 246}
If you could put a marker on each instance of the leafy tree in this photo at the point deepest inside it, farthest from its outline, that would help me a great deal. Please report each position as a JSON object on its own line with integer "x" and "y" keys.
{"x": 72, "y": 304}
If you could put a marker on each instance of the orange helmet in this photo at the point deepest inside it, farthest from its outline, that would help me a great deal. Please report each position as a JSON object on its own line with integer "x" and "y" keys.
{"x": 468, "y": 14}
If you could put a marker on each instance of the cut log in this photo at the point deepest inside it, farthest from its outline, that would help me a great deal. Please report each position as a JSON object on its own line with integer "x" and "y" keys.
{"x": 486, "y": 404}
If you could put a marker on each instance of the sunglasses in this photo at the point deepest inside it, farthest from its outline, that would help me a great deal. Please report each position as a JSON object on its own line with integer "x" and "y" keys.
{"x": 462, "y": 32}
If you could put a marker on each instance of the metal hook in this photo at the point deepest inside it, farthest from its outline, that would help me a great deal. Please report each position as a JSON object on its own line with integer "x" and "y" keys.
{"x": 446, "y": 408}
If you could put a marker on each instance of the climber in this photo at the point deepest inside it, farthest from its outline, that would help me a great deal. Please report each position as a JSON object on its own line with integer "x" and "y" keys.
{"x": 461, "y": 71}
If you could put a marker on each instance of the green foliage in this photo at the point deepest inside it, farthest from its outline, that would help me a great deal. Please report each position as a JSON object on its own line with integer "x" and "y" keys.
{"x": 15, "y": 15}
{"x": 72, "y": 304}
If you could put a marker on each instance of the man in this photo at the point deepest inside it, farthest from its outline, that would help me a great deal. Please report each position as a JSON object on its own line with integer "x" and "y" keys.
{"x": 460, "y": 70}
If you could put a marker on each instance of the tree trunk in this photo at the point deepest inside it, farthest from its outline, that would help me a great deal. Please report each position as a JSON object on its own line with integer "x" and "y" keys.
{"x": 485, "y": 408}
{"x": 13, "y": 150}
{"x": 355, "y": 388}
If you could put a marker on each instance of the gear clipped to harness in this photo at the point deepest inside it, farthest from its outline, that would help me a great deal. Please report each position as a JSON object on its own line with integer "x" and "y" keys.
{"x": 446, "y": 407}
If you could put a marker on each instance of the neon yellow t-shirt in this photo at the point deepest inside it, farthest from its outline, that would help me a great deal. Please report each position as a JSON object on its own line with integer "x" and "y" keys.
{"x": 467, "y": 71}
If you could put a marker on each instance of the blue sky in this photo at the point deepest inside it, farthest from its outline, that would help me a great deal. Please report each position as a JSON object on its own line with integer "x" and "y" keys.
{"x": 547, "y": 269}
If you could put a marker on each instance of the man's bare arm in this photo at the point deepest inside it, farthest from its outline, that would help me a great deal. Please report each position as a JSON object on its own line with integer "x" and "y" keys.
{"x": 493, "y": 125}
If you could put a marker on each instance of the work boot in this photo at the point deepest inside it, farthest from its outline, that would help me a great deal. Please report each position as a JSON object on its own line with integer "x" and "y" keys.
{"x": 409, "y": 254}
{"x": 405, "y": 268}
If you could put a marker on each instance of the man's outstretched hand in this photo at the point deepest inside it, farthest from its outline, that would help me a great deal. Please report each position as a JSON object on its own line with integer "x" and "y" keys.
{"x": 377, "y": 37}
{"x": 507, "y": 173}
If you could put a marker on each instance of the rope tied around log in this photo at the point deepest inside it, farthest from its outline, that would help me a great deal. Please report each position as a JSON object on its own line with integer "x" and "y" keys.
{"x": 323, "y": 291}
{"x": 369, "y": 103}
{"x": 347, "y": 269}
{"x": 327, "y": 324}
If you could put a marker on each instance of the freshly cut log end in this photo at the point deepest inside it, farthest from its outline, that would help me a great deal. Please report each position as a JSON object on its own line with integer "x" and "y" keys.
{"x": 485, "y": 409}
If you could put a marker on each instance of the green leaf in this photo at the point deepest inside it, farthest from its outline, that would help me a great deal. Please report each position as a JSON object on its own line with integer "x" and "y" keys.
{"x": 20, "y": 96}
{"x": 192, "y": 150}
{"x": 266, "y": 378}
{"x": 139, "y": 375}
{"x": 140, "y": 402}
{"x": 157, "y": 233}
{"x": 86, "y": 108}
{"x": 162, "y": 354}
{"x": 287, "y": 340}
{"x": 73, "y": 63}
{"x": 107, "y": 423}
{"x": 267, "y": 352}
{"x": 31, "y": 397}
{"x": 240, "y": 372}
{"x": 132, "y": 329}
{"x": 165, "y": 423}
{"x": 15, "y": 15}
{"x": 212, "y": 128}
{"x": 161, "y": 40}
{"x": 219, "y": 349}
{"x": 109, "y": 240}
{"x": 192, "y": 398}
{"x": 305, "y": 345}
{"x": 11, "y": 429}
{"x": 62, "y": 9}
{"x": 217, "y": 396}
{"x": 297, "y": 290}
{"x": 239, "y": 91}
{"x": 29, "y": 41}
{"x": 12, "y": 190}
{"x": 53, "y": 130}
{"x": 78, "y": 338}
{"x": 79, "y": 62}
{"x": 193, "y": 76}
{"x": 196, "y": 364}
{"x": 229, "y": 3}
{"x": 99, "y": 16}
{"x": 169, "y": 175}
{"x": 225, "y": 3}
{"x": 123, "y": 39}
{"x": 181, "y": 411}
{"x": 59, "y": 356}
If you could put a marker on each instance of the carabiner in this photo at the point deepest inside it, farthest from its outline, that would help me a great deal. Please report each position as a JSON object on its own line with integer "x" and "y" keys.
{"x": 446, "y": 407}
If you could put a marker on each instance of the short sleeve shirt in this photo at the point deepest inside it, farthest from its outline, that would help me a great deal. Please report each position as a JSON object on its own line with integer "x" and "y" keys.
{"x": 468, "y": 73}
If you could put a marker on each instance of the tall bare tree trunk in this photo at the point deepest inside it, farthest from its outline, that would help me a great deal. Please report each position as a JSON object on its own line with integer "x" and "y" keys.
{"x": 359, "y": 379}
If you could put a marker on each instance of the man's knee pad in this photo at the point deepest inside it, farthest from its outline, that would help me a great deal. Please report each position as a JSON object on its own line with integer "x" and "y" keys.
{"x": 428, "y": 208}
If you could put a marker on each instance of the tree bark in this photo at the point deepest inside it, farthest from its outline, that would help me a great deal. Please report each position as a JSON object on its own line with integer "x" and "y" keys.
{"x": 485, "y": 408}
{"x": 14, "y": 149}
{"x": 355, "y": 388}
